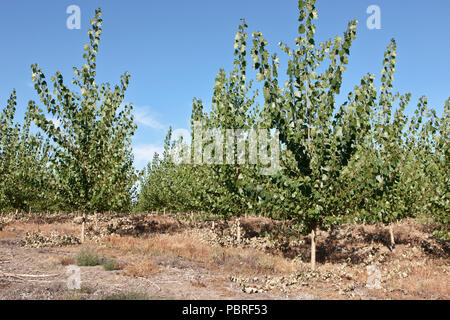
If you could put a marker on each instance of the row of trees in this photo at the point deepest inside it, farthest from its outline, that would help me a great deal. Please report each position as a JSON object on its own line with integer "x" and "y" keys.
{"x": 26, "y": 178}
{"x": 363, "y": 160}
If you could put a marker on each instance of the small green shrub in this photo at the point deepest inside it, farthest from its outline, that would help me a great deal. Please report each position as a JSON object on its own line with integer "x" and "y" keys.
{"x": 109, "y": 264}
{"x": 87, "y": 257}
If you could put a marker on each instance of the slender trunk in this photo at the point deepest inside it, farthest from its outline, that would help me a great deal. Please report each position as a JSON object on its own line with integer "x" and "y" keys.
{"x": 308, "y": 115}
{"x": 238, "y": 231}
{"x": 313, "y": 248}
{"x": 164, "y": 211}
{"x": 391, "y": 234}
{"x": 83, "y": 222}
{"x": 39, "y": 228}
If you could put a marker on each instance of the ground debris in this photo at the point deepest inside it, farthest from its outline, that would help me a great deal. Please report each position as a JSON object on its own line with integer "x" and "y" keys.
{"x": 40, "y": 240}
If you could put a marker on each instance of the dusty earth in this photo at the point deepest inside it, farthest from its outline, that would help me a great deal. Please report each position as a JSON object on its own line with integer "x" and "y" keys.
{"x": 182, "y": 257}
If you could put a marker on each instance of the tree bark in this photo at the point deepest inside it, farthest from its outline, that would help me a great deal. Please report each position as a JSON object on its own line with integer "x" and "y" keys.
{"x": 391, "y": 234}
{"x": 313, "y": 249}
{"x": 83, "y": 222}
{"x": 238, "y": 232}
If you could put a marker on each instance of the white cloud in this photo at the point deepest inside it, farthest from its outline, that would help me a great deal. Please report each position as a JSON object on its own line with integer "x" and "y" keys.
{"x": 143, "y": 153}
{"x": 143, "y": 116}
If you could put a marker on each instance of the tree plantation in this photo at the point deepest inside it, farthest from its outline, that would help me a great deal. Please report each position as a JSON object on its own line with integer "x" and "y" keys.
{"x": 365, "y": 160}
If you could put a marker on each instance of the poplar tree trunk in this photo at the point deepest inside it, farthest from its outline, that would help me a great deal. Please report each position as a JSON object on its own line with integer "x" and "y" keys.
{"x": 83, "y": 222}
{"x": 313, "y": 249}
{"x": 391, "y": 234}
{"x": 238, "y": 231}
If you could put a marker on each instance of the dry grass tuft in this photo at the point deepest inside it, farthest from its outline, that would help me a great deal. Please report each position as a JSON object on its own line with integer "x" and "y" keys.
{"x": 65, "y": 261}
{"x": 161, "y": 244}
{"x": 198, "y": 284}
{"x": 141, "y": 269}
{"x": 249, "y": 261}
{"x": 425, "y": 281}
{"x": 7, "y": 234}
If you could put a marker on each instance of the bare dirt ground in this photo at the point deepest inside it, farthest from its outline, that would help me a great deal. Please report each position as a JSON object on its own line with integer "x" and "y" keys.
{"x": 177, "y": 257}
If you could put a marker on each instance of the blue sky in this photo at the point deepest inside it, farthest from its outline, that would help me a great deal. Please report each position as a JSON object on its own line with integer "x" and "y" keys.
{"x": 173, "y": 49}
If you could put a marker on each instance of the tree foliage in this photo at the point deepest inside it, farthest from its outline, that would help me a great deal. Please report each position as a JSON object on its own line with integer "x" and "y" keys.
{"x": 363, "y": 160}
{"x": 93, "y": 135}
{"x": 27, "y": 180}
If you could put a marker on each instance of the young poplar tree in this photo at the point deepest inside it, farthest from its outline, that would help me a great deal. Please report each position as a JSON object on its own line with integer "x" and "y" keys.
{"x": 93, "y": 152}
{"x": 440, "y": 161}
{"x": 153, "y": 195}
{"x": 233, "y": 108}
{"x": 320, "y": 137}
{"x": 384, "y": 157}
{"x": 172, "y": 187}
{"x": 394, "y": 159}
{"x": 433, "y": 151}
{"x": 8, "y": 143}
